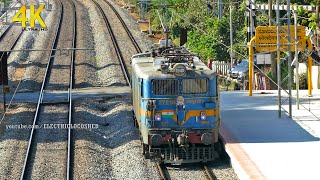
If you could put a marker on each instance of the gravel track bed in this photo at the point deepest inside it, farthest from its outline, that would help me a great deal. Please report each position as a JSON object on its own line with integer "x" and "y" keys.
{"x": 49, "y": 151}
{"x": 108, "y": 66}
{"x": 186, "y": 172}
{"x": 13, "y": 142}
{"x": 223, "y": 170}
{"x": 18, "y": 61}
{"x": 113, "y": 150}
{"x": 124, "y": 42}
{"x": 9, "y": 38}
{"x": 85, "y": 61}
{"x": 35, "y": 69}
{"x": 59, "y": 74}
{"x": 142, "y": 39}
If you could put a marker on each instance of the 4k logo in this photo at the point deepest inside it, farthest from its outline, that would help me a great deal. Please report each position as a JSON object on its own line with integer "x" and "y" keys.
{"x": 21, "y": 16}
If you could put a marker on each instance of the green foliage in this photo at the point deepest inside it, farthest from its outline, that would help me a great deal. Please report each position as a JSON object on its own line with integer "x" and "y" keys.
{"x": 207, "y": 42}
{"x": 208, "y": 36}
{"x": 306, "y": 18}
{"x": 7, "y": 2}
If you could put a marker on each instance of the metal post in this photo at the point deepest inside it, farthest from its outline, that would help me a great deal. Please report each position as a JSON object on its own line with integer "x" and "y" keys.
{"x": 208, "y": 3}
{"x": 4, "y": 6}
{"x": 296, "y": 57}
{"x": 252, "y": 41}
{"x": 167, "y": 37}
{"x": 251, "y": 23}
{"x": 231, "y": 36}
{"x": 278, "y": 59}
{"x": 309, "y": 69}
{"x": 289, "y": 58}
{"x": 4, "y": 98}
{"x": 2, "y": 82}
{"x": 219, "y": 9}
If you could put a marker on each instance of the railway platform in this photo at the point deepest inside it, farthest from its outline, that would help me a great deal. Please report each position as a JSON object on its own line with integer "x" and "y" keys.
{"x": 263, "y": 146}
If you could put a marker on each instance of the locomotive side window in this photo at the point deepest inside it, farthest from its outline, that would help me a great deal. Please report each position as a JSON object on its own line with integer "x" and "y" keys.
{"x": 165, "y": 87}
{"x": 194, "y": 86}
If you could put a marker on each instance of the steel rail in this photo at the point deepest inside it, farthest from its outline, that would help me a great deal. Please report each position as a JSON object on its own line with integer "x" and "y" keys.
{"x": 134, "y": 42}
{"x": 15, "y": 43}
{"x": 74, "y": 42}
{"x": 5, "y": 32}
{"x": 54, "y": 44}
{"x": 209, "y": 173}
{"x": 116, "y": 46}
{"x": 161, "y": 168}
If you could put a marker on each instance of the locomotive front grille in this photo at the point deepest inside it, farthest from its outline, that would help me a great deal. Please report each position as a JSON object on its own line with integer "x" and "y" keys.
{"x": 184, "y": 155}
{"x": 195, "y": 86}
{"x": 165, "y": 87}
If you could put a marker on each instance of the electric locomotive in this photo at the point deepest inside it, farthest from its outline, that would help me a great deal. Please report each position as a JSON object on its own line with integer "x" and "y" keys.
{"x": 176, "y": 106}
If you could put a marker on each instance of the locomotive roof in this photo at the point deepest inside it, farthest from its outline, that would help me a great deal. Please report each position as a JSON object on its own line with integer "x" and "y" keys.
{"x": 145, "y": 68}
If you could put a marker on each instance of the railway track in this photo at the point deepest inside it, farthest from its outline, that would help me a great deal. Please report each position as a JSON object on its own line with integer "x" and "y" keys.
{"x": 134, "y": 42}
{"x": 165, "y": 175}
{"x": 39, "y": 151}
{"x": 163, "y": 172}
{"x": 7, "y": 39}
{"x": 5, "y": 32}
{"x": 115, "y": 44}
{"x": 209, "y": 173}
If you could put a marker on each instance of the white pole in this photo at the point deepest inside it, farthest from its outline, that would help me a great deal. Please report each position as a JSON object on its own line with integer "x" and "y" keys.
{"x": 278, "y": 58}
{"x": 296, "y": 56}
{"x": 231, "y": 38}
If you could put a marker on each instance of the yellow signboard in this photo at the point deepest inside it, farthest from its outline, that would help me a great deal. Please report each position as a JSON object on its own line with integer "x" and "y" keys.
{"x": 268, "y": 35}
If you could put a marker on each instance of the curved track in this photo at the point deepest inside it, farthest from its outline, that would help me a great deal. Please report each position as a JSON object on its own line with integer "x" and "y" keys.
{"x": 28, "y": 162}
{"x": 114, "y": 40}
{"x": 134, "y": 42}
{"x": 115, "y": 43}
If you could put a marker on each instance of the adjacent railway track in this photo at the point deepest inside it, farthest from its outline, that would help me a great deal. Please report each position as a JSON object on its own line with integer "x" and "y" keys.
{"x": 134, "y": 42}
{"x": 8, "y": 41}
{"x": 115, "y": 44}
{"x": 5, "y": 32}
{"x": 46, "y": 112}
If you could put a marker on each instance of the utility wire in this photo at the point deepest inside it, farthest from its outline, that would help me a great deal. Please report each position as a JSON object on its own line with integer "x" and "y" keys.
{"x": 245, "y": 56}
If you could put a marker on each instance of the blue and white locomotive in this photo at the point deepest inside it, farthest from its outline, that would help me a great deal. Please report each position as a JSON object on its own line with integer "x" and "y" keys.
{"x": 176, "y": 106}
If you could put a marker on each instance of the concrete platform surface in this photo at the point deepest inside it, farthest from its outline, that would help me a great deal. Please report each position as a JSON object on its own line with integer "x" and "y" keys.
{"x": 262, "y": 145}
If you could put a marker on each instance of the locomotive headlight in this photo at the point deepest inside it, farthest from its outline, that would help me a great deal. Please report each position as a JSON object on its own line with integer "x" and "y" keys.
{"x": 203, "y": 115}
{"x": 180, "y": 70}
{"x": 157, "y": 117}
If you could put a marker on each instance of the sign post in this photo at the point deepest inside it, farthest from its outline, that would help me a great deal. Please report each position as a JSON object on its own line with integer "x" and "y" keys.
{"x": 265, "y": 40}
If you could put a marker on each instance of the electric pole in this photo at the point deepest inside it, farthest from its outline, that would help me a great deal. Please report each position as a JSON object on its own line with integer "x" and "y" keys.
{"x": 231, "y": 38}
{"x": 273, "y": 61}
